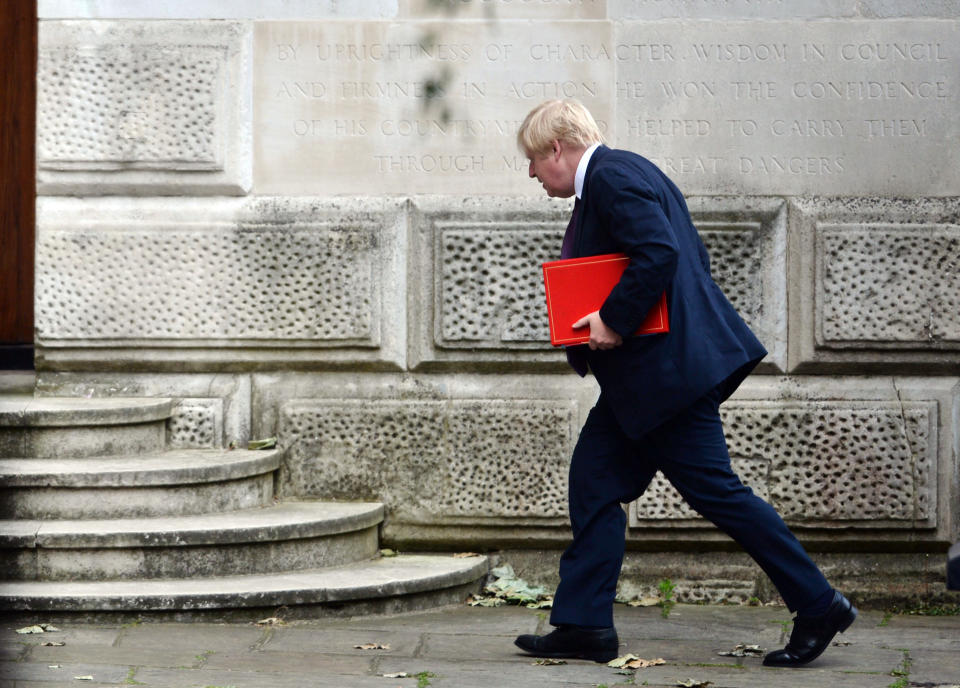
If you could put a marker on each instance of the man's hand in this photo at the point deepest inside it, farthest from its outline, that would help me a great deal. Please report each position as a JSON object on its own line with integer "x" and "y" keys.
{"x": 601, "y": 336}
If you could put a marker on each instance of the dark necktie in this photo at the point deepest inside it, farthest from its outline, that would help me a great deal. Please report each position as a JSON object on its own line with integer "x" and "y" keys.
{"x": 570, "y": 236}
{"x": 576, "y": 355}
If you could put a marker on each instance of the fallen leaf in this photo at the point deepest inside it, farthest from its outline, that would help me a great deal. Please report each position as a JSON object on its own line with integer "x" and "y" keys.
{"x": 465, "y": 555}
{"x": 39, "y": 628}
{"x": 742, "y": 650}
{"x": 269, "y": 443}
{"x": 51, "y": 643}
{"x": 694, "y": 683}
{"x": 485, "y": 602}
{"x": 644, "y": 602}
{"x": 631, "y": 661}
{"x": 271, "y": 621}
{"x": 372, "y": 646}
{"x": 83, "y": 678}
{"x": 387, "y": 553}
{"x": 54, "y": 666}
{"x": 844, "y": 643}
{"x": 621, "y": 660}
{"x": 399, "y": 674}
{"x": 546, "y": 661}
{"x": 644, "y": 663}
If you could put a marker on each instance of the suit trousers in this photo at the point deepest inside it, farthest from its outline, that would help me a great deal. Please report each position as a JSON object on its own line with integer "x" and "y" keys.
{"x": 609, "y": 469}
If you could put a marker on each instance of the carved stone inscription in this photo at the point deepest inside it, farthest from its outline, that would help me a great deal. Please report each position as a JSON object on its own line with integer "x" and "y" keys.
{"x": 823, "y": 463}
{"x": 415, "y": 107}
{"x": 889, "y": 285}
{"x": 793, "y": 107}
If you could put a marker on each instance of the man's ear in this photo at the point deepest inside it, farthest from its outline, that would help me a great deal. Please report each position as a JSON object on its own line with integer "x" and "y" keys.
{"x": 557, "y": 149}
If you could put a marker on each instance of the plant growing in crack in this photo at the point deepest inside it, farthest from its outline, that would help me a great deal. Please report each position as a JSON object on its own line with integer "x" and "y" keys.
{"x": 666, "y": 588}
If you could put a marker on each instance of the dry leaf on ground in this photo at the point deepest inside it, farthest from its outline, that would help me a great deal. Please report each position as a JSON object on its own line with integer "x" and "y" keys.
{"x": 631, "y": 661}
{"x": 694, "y": 683}
{"x": 51, "y": 643}
{"x": 546, "y": 661}
{"x": 271, "y": 621}
{"x": 83, "y": 678}
{"x": 742, "y": 650}
{"x": 399, "y": 674}
{"x": 465, "y": 555}
{"x": 372, "y": 646}
{"x": 39, "y": 628}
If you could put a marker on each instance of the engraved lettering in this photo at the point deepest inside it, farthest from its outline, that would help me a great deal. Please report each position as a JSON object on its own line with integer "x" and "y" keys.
{"x": 286, "y": 51}
{"x": 541, "y": 52}
{"x": 429, "y": 163}
{"x": 754, "y": 90}
{"x": 892, "y": 52}
{"x": 808, "y": 127}
{"x": 554, "y": 89}
{"x": 668, "y": 127}
{"x": 895, "y": 127}
{"x": 795, "y": 165}
{"x": 689, "y": 89}
{"x": 869, "y": 90}
{"x": 302, "y": 89}
{"x": 652, "y": 52}
{"x": 741, "y": 52}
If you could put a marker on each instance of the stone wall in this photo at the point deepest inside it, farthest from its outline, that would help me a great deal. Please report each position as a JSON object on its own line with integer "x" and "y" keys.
{"x": 310, "y": 220}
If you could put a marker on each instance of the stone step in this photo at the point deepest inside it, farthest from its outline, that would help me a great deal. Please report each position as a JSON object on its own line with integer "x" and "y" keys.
{"x": 170, "y": 483}
{"x": 395, "y": 584}
{"x": 68, "y": 427}
{"x": 286, "y": 537}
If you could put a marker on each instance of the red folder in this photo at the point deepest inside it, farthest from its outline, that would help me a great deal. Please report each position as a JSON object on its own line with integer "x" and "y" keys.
{"x": 578, "y": 286}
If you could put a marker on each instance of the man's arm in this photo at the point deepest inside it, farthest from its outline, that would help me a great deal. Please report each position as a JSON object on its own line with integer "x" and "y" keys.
{"x": 633, "y": 216}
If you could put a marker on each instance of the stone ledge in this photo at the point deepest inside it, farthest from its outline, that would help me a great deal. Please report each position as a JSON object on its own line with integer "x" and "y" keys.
{"x": 291, "y": 520}
{"x": 169, "y": 468}
{"x": 27, "y": 411}
{"x": 380, "y": 578}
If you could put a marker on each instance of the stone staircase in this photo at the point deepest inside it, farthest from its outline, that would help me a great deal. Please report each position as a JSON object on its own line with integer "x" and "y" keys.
{"x": 102, "y": 519}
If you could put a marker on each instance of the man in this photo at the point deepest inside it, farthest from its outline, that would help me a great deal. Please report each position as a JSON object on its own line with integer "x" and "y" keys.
{"x": 659, "y": 394}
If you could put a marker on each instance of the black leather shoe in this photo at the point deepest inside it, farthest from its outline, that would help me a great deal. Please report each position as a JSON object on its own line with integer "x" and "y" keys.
{"x": 812, "y": 634}
{"x": 573, "y": 642}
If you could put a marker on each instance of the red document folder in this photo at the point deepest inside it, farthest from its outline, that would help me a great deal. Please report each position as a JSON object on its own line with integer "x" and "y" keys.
{"x": 578, "y": 286}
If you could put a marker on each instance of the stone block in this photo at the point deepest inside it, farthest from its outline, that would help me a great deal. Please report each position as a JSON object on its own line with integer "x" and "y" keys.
{"x": 874, "y": 285}
{"x": 476, "y": 284}
{"x": 151, "y": 108}
{"x": 788, "y": 107}
{"x": 196, "y": 424}
{"x": 477, "y": 287}
{"x": 438, "y": 450}
{"x": 827, "y": 463}
{"x": 239, "y": 283}
{"x": 413, "y": 107}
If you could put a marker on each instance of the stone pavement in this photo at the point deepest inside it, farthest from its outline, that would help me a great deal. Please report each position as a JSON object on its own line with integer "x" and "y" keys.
{"x": 472, "y": 647}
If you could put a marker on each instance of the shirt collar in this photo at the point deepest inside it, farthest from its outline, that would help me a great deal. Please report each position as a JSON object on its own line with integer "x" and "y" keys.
{"x": 582, "y": 169}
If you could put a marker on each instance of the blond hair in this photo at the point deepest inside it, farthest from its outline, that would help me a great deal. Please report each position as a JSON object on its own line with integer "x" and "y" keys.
{"x": 557, "y": 120}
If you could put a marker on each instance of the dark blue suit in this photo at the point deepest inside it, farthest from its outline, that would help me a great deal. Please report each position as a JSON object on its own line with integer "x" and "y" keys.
{"x": 660, "y": 395}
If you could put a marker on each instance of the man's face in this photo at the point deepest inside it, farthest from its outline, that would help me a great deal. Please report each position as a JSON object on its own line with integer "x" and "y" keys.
{"x": 554, "y": 171}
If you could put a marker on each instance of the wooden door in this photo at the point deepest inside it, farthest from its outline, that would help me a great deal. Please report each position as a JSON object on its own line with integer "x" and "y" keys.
{"x": 18, "y": 96}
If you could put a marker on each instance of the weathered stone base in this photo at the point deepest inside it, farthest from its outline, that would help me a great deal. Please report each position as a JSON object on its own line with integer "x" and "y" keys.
{"x": 872, "y": 580}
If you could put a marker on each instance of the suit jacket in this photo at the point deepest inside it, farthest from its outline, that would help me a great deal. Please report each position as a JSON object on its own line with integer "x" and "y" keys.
{"x": 630, "y": 206}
